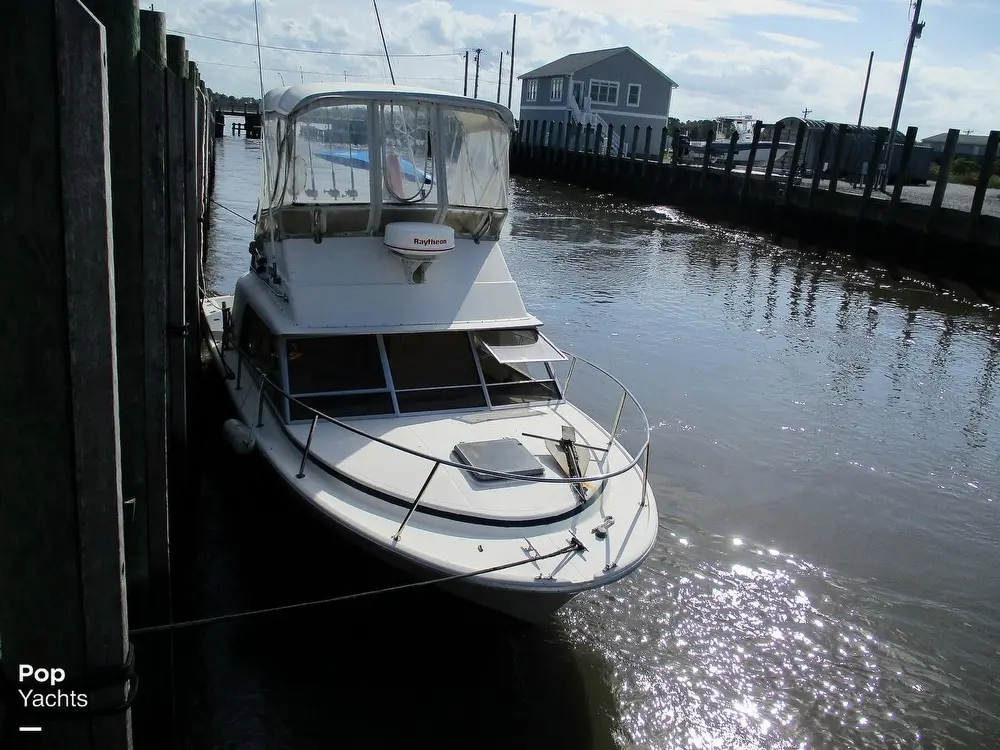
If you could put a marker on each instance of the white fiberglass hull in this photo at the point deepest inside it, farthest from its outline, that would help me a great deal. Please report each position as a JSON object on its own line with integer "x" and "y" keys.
{"x": 438, "y": 543}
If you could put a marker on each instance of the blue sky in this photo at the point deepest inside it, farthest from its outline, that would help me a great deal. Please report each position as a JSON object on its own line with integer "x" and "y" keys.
{"x": 768, "y": 58}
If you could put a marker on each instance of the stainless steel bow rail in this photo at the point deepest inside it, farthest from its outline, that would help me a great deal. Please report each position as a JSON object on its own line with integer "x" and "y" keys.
{"x": 573, "y": 545}
{"x": 264, "y": 383}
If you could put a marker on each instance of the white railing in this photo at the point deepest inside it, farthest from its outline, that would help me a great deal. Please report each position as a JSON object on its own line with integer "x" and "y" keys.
{"x": 263, "y": 383}
{"x": 589, "y": 117}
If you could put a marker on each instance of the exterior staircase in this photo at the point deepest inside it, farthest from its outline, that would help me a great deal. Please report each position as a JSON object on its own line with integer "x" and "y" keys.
{"x": 586, "y": 117}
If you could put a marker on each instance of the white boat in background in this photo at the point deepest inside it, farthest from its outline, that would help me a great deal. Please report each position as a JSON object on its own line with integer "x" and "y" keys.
{"x": 742, "y": 125}
{"x": 381, "y": 359}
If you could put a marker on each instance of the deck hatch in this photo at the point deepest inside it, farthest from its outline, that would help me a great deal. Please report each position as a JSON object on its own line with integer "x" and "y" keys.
{"x": 506, "y": 454}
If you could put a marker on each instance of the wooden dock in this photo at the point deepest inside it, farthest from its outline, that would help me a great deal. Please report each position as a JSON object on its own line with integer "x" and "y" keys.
{"x": 105, "y": 217}
{"x": 933, "y": 239}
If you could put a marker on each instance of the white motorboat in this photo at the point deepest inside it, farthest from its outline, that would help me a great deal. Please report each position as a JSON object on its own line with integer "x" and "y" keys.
{"x": 743, "y": 126}
{"x": 381, "y": 359}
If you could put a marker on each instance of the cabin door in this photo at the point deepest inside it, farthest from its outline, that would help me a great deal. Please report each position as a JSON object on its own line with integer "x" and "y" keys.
{"x": 578, "y": 93}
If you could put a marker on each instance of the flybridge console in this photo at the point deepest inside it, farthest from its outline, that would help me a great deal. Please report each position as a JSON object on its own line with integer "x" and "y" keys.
{"x": 418, "y": 244}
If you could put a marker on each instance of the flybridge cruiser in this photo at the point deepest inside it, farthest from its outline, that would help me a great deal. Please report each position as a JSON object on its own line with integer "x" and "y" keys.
{"x": 381, "y": 359}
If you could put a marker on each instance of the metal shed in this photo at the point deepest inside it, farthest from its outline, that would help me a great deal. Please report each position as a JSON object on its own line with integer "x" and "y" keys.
{"x": 858, "y": 146}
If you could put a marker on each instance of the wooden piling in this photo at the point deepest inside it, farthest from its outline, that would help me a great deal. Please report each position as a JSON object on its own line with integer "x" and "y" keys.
{"x": 177, "y": 55}
{"x": 706, "y": 159}
{"x": 947, "y": 156}
{"x": 662, "y": 152}
{"x": 61, "y": 557}
{"x": 881, "y": 136}
{"x": 153, "y": 35}
{"x": 817, "y": 174}
{"x": 900, "y": 178}
{"x": 645, "y": 151}
{"x": 800, "y": 136}
{"x": 985, "y": 173}
{"x": 191, "y": 231}
{"x": 730, "y": 158}
{"x": 152, "y": 518}
{"x": 775, "y": 140}
{"x": 751, "y": 157}
{"x": 838, "y": 156}
{"x": 177, "y": 447}
{"x": 121, "y": 23}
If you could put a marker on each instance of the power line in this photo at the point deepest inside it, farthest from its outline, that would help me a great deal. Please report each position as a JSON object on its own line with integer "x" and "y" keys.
{"x": 312, "y": 51}
{"x": 337, "y": 74}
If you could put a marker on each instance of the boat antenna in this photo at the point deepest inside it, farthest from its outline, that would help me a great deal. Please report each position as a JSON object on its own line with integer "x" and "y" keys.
{"x": 263, "y": 150}
{"x": 386, "y": 48}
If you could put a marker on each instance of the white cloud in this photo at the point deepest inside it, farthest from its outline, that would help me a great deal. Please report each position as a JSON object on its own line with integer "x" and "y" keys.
{"x": 788, "y": 39}
{"x": 728, "y": 72}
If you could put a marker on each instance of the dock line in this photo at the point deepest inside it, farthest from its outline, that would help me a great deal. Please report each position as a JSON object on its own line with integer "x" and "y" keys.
{"x": 574, "y": 545}
{"x": 234, "y": 213}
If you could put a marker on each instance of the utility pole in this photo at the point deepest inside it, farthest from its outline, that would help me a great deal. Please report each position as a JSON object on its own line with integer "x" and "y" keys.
{"x": 864, "y": 94}
{"x": 475, "y": 92}
{"x": 916, "y": 28}
{"x": 465, "y": 88}
{"x": 500, "y": 77}
{"x": 805, "y": 113}
{"x": 510, "y": 88}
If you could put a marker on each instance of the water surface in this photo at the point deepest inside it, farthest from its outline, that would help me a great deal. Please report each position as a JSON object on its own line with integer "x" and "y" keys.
{"x": 825, "y": 462}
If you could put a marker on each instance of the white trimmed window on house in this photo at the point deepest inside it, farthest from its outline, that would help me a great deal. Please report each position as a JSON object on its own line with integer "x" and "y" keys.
{"x": 604, "y": 92}
{"x": 634, "y": 91}
{"x": 555, "y": 94}
{"x": 532, "y": 90}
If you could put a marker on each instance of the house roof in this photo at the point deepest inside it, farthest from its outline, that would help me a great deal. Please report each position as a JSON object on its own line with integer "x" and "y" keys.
{"x": 569, "y": 64}
{"x": 963, "y": 140}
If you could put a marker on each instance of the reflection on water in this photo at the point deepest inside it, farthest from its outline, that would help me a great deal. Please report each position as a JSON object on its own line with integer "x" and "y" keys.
{"x": 825, "y": 459}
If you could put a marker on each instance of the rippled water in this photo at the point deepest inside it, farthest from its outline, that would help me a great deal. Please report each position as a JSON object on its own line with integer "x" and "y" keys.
{"x": 825, "y": 461}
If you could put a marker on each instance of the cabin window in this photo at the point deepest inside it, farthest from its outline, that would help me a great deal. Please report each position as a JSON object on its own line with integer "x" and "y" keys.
{"x": 341, "y": 376}
{"x": 532, "y": 90}
{"x": 260, "y": 345}
{"x": 433, "y": 371}
{"x": 555, "y": 94}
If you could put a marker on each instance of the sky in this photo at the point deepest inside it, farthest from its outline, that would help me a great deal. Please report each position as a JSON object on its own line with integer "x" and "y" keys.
{"x": 766, "y": 58}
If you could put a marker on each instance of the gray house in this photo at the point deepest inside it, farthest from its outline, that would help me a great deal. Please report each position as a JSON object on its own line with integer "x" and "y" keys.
{"x": 605, "y": 87}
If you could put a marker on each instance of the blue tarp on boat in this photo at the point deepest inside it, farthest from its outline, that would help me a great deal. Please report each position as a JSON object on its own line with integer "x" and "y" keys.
{"x": 359, "y": 159}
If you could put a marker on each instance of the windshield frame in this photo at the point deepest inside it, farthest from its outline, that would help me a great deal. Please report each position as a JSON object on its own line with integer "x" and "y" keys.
{"x": 277, "y": 195}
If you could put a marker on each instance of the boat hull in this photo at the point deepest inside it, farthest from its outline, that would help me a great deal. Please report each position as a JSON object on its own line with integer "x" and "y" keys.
{"x": 530, "y": 597}
{"x": 531, "y": 605}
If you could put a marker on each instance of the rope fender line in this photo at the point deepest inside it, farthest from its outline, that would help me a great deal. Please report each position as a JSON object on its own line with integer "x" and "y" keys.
{"x": 574, "y": 545}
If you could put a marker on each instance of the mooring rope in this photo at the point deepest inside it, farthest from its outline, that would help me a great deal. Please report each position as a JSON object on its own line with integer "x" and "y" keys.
{"x": 575, "y": 545}
{"x": 234, "y": 213}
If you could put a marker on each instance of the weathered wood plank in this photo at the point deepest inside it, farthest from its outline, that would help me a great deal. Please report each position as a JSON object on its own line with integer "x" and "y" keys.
{"x": 91, "y": 298}
{"x": 177, "y": 457}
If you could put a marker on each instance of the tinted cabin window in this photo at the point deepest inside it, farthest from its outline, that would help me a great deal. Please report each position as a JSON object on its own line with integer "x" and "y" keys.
{"x": 434, "y": 371}
{"x": 343, "y": 373}
{"x": 334, "y": 363}
{"x": 260, "y": 345}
